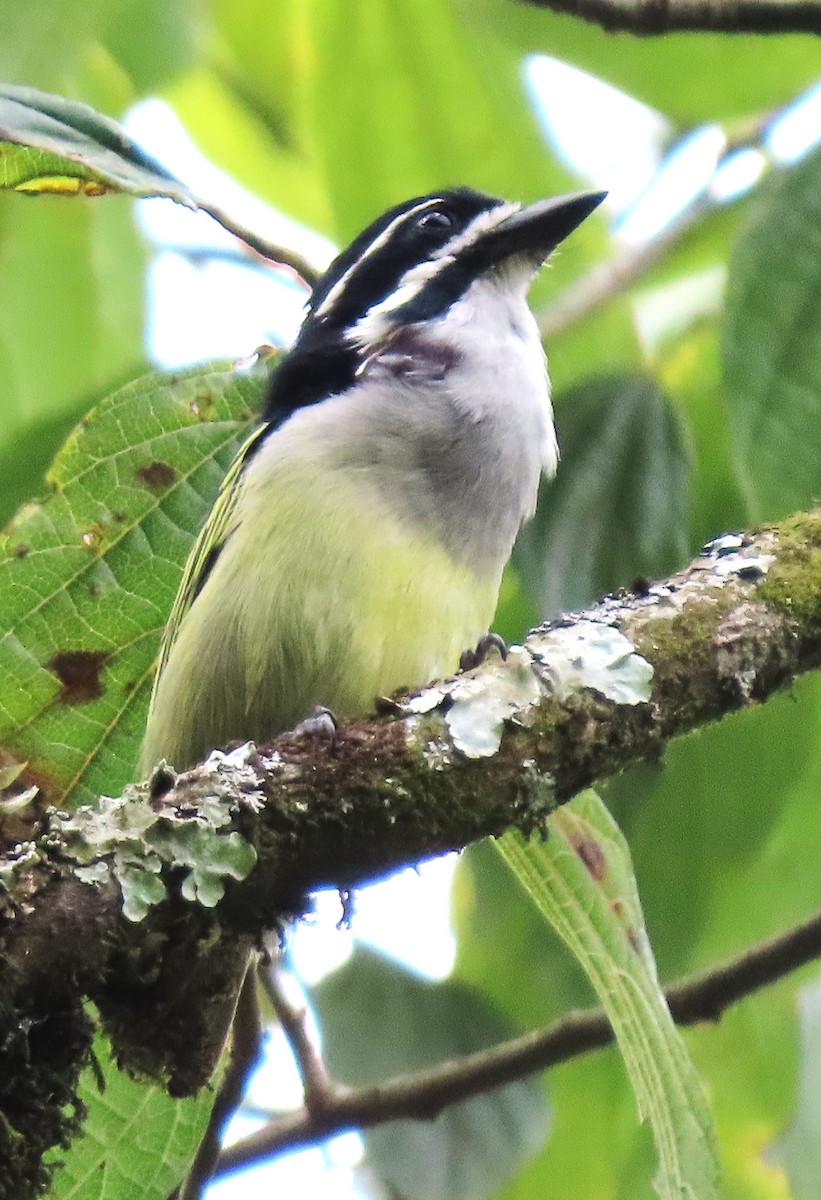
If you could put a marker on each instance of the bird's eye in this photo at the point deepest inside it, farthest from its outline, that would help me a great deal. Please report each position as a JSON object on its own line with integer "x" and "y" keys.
{"x": 435, "y": 219}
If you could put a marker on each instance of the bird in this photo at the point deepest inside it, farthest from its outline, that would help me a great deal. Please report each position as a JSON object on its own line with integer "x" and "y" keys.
{"x": 357, "y": 544}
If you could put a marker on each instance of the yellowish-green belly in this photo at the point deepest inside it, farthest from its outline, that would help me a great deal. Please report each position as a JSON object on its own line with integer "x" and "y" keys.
{"x": 320, "y": 596}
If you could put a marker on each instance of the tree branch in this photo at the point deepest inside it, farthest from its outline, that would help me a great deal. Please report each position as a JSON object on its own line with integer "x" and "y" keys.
{"x": 652, "y": 17}
{"x": 246, "y": 1044}
{"x": 609, "y": 279}
{"x": 319, "y": 1090}
{"x": 497, "y": 747}
{"x": 424, "y": 1094}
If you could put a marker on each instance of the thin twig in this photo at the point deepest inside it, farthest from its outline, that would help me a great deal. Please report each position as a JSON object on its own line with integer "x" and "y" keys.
{"x": 319, "y": 1090}
{"x": 653, "y": 17}
{"x": 282, "y": 256}
{"x": 246, "y": 1033}
{"x": 425, "y": 1093}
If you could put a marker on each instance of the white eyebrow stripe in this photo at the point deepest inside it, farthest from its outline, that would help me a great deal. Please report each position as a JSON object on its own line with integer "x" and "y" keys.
{"x": 481, "y": 223}
{"x": 375, "y": 323}
{"x": 376, "y": 244}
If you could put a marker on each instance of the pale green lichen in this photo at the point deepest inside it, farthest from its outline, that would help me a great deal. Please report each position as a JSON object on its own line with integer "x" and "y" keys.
{"x": 24, "y": 854}
{"x": 597, "y": 656}
{"x": 482, "y": 701}
{"x": 134, "y": 842}
{"x": 560, "y": 661}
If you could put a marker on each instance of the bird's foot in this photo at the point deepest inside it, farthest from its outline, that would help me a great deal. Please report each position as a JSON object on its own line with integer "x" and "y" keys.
{"x": 474, "y": 658}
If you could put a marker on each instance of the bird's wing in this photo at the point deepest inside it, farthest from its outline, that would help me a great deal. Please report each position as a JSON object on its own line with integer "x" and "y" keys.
{"x": 206, "y": 549}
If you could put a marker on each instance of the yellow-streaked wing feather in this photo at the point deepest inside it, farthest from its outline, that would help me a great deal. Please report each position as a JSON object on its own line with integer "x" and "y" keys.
{"x": 207, "y": 546}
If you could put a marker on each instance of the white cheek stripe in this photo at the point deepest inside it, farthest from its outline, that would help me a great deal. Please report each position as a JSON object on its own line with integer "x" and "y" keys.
{"x": 376, "y": 244}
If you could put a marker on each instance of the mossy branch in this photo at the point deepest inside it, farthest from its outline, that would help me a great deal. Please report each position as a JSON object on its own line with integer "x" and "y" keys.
{"x": 150, "y": 907}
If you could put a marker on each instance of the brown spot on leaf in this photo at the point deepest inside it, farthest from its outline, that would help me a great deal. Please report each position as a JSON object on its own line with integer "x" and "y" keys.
{"x": 157, "y": 475}
{"x": 620, "y": 910}
{"x": 20, "y": 551}
{"x": 79, "y": 674}
{"x": 93, "y": 537}
{"x": 592, "y": 855}
{"x": 202, "y": 406}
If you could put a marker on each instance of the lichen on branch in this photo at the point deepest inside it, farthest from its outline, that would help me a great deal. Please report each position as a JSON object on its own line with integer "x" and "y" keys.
{"x": 234, "y": 847}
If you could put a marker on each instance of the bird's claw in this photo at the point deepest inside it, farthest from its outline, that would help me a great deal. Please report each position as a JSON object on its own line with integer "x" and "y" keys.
{"x": 321, "y": 725}
{"x": 474, "y": 658}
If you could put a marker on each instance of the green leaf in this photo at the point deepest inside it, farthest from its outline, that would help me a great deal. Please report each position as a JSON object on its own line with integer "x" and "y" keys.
{"x": 379, "y": 1020}
{"x": 87, "y": 577}
{"x": 582, "y": 881}
{"x": 56, "y": 146}
{"x": 152, "y": 40}
{"x": 32, "y": 51}
{"x": 502, "y": 950}
{"x": 618, "y": 505}
{"x": 228, "y": 126}
{"x": 772, "y": 344}
{"x": 691, "y": 376}
{"x": 71, "y": 315}
{"x": 724, "y": 840}
{"x": 418, "y": 100}
{"x": 688, "y": 77}
{"x": 50, "y": 144}
{"x": 26, "y": 453}
{"x": 137, "y": 1143}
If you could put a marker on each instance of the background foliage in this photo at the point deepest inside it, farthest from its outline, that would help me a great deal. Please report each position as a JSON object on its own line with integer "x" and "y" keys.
{"x": 330, "y": 111}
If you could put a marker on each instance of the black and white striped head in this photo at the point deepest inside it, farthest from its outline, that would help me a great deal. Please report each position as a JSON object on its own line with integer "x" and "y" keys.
{"x": 409, "y": 267}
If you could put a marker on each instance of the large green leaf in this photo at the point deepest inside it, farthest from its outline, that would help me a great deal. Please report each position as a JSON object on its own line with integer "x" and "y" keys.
{"x": 41, "y": 42}
{"x": 379, "y": 1020}
{"x": 772, "y": 344}
{"x": 51, "y": 144}
{"x": 502, "y": 950}
{"x": 137, "y": 1143}
{"x": 417, "y": 100}
{"x": 229, "y": 127}
{"x": 71, "y": 315}
{"x": 153, "y": 41}
{"x": 690, "y": 374}
{"x": 724, "y": 840}
{"x": 87, "y": 577}
{"x": 691, "y": 77}
{"x": 581, "y": 880}
{"x": 618, "y": 505}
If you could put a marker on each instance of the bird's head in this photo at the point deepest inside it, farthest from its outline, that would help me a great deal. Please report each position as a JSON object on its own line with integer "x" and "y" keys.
{"x": 408, "y": 269}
